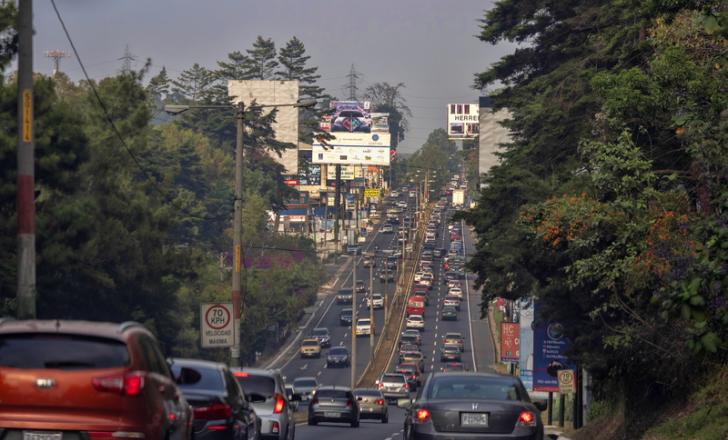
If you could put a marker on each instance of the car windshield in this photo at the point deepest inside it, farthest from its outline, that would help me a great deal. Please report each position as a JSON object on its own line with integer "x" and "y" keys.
{"x": 304, "y": 383}
{"x": 472, "y": 387}
{"x": 363, "y": 322}
{"x": 61, "y": 352}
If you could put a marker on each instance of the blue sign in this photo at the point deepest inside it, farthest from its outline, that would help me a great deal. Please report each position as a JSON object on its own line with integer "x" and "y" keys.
{"x": 525, "y": 362}
{"x": 549, "y": 353}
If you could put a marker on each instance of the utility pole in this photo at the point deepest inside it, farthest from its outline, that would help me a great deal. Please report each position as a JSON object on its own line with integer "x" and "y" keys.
{"x": 25, "y": 294}
{"x": 236, "y": 295}
{"x": 386, "y": 290}
{"x": 337, "y": 207}
{"x": 371, "y": 310}
{"x": 354, "y": 309}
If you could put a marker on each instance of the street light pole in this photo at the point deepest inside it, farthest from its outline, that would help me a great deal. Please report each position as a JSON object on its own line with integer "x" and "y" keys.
{"x": 236, "y": 294}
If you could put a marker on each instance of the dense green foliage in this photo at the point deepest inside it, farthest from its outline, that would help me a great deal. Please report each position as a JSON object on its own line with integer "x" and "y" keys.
{"x": 610, "y": 203}
{"x": 138, "y": 226}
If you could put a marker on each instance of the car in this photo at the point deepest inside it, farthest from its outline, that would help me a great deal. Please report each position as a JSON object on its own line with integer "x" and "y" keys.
{"x": 405, "y": 348}
{"x": 454, "y": 284}
{"x": 372, "y": 404}
{"x": 449, "y": 313}
{"x": 344, "y": 296}
{"x": 369, "y": 262}
{"x": 456, "y": 292}
{"x": 415, "y": 321}
{"x": 335, "y": 404}
{"x": 410, "y": 340}
{"x": 363, "y": 327}
{"x": 305, "y": 387}
{"x": 455, "y": 338}
{"x": 418, "y": 276}
{"x": 293, "y": 398}
{"x": 452, "y": 301}
{"x": 454, "y": 405}
{"x": 338, "y": 357}
{"x": 412, "y": 372}
{"x": 361, "y": 239}
{"x": 310, "y": 348}
{"x": 87, "y": 380}
{"x": 386, "y": 275}
{"x": 415, "y": 357}
{"x": 387, "y": 229}
{"x": 450, "y": 352}
{"x": 353, "y": 249}
{"x": 360, "y": 286}
{"x": 415, "y": 333}
{"x": 322, "y": 335}
{"x": 345, "y": 316}
{"x": 377, "y": 301}
{"x": 393, "y": 386}
{"x": 454, "y": 366}
{"x": 221, "y": 408}
{"x": 353, "y": 120}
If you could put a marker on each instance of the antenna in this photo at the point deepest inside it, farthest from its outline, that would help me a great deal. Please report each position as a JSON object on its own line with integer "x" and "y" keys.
{"x": 127, "y": 59}
{"x": 352, "y": 87}
{"x": 57, "y": 55}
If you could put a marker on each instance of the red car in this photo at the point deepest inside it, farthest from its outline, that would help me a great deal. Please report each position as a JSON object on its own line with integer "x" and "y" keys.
{"x": 416, "y": 305}
{"x": 87, "y": 380}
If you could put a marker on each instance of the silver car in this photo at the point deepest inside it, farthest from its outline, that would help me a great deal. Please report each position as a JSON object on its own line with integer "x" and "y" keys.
{"x": 305, "y": 387}
{"x": 394, "y": 386}
{"x": 372, "y": 404}
{"x": 276, "y": 412}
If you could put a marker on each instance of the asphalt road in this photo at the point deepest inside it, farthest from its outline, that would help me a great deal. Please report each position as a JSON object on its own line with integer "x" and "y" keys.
{"x": 478, "y": 354}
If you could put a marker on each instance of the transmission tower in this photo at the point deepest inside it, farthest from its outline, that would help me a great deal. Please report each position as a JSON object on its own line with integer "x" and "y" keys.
{"x": 352, "y": 86}
{"x": 126, "y": 60}
{"x": 57, "y": 55}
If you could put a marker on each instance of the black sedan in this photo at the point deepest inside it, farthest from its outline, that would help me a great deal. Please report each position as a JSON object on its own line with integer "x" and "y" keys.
{"x": 222, "y": 410}
{"x": 338, "y": 357}
{"x": 472, "y": 405}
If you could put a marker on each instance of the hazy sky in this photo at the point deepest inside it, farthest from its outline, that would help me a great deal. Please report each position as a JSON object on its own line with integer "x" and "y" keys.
{"x": 430, "y": 45}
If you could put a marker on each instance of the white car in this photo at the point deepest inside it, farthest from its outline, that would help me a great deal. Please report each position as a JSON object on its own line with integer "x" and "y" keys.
{"x": 425, "y": 282}
{"x": 415, "y": 321}
{"x": 428, "y": 276}
{"x": 362, "y": 239}
{"x": 454, "y": 283}
{"x": 418, "y": 276}
{"x": 455, "y": 291}
{"x": 363, "y": 327}
{"x": 377, "y": 301}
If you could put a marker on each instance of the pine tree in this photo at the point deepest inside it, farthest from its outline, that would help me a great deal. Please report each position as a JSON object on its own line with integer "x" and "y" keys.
{"x": 293, "y": 60}
{"x": 260, "y": 63}
{"x": 193, "y": 84}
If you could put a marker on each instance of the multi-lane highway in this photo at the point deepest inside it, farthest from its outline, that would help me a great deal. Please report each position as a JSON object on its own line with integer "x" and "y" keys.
{"x": 478, "y": 353}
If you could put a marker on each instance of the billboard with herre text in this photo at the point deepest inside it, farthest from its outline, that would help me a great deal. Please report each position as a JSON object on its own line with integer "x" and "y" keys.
{"x": 463, "y": 121}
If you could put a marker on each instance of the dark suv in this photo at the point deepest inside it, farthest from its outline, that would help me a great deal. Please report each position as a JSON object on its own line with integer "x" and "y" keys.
{"x": 221, "y": 408}
{"x": 71, "y": 380}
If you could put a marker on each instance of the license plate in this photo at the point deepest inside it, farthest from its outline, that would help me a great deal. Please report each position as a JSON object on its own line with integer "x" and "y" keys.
{"x": 29, "y": 435}
{"x": 474, "y": 419}
{"x": 332, "y": 415}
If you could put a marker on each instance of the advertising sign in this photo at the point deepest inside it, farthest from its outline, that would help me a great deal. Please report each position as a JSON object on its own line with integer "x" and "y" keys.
{"x": 356, "y": 140}
{"x": 525, "y": 336}
{"x": 291, "y": 182}
{"x": 510, "y": 351}
{"x": 372, "y": 192}
{"x": 308, "y": 173}
{"x": 567, "y": 381}
{"x": 463, "y": 121}
{"x": 549, "y": 348}
{"x": 217, "y": 325}
{"x": 348, "y": 172}
{"x": 351, "y": 116}
{"x": 380, "y": 122}
{"x": 351, "y": 155}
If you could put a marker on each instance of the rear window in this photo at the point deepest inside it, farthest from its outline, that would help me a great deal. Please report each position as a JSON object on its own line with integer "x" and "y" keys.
{"x": 372, "y": 393}
{"x": 304, "y": 383}
{"x": 338, "y": 351}
{"x": 199, "y": 378}
{"x": 328, "y": 394}
{"x": 396, "y": 378}
{"x": 310, "y": 343}
{"x": 61, "y": 352}
{"x": 472, "y": 387}
{"x": 320, "y": 332}
{"x": 253, "y": 383}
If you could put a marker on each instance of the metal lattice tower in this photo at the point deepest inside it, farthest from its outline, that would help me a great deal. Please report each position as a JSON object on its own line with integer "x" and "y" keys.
{"x": 57, "y": 56}
{"x": 126, "y": 60}
{"x": 352, "y": 86}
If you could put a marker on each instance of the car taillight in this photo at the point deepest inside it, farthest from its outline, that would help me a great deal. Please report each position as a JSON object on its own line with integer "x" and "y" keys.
{"x": 275, "y": 428}
{"x": 379, "y": 401}
{"x": 109, "y": 435}
{"x": 381, "y": 386}
{"x": 526, "y": 418}
{"x": 280, "y": 403}
{"x": 129, "y": 384}
{"x": 406, "y": 386}
{"x": 214, "y": 411}
{"x": 422, "y": 415}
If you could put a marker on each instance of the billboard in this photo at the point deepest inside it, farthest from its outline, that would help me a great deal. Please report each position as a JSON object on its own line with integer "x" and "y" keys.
{"x": 351, "y": 155}
{"x": 549, "y": 355}
{"x": 463, "y": 121}
{"x": 308, "y": 173}
{"x": 380, "y": 122}
{"x": 356, "y": 140}
{"x": 509, "y": 342}
{"x": 348, "y": 172}
{"x": 350, "y": 116}
{"x": 525, "y": 335}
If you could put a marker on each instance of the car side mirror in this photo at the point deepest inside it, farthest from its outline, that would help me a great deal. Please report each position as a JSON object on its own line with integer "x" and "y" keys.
{"x": 256, "y": 398}
{"x": 540, "y": 405}
{"x": 404, "y": 403}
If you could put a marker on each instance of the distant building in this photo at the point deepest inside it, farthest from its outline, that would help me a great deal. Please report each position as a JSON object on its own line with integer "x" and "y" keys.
{"x": 492, "y": 135}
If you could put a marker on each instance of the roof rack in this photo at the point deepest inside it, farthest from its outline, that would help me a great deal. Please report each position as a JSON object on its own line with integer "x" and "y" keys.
{"x": 124, "y": 326}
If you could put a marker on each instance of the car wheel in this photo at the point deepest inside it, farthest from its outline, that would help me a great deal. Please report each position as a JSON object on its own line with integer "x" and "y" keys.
{"x": 312, "y": 422}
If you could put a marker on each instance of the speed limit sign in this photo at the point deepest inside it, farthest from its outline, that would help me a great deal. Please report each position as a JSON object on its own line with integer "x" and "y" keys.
{"x": 217, "y": 327}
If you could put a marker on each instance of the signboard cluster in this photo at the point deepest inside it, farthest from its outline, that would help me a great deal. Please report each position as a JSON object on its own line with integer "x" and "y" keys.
{"x": 463, "y": 121}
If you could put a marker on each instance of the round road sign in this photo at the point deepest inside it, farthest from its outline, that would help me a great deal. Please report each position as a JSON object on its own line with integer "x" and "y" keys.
{"x": 217, "y": 317}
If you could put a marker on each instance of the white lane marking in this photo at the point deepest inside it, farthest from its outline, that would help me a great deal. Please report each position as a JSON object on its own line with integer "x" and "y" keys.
{"x": 341, "y": 343}
{"x": 470, "y": 317}
{"x": 318, "y": 374}
{"x": 304, "y": 366}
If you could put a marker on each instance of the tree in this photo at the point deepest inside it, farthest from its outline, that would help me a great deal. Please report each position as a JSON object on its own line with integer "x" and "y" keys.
{"x": 8, "y": 34}
{"x": 193, "y": 85}
{"x": 387, "y": 98}
{"x": 260, "y": 62}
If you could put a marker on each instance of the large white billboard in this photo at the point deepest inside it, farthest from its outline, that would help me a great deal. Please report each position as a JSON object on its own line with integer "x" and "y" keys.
{"x": 345, "y": 139}
{"x": 463, "y": 121}
{"x": 347, "y": 155}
